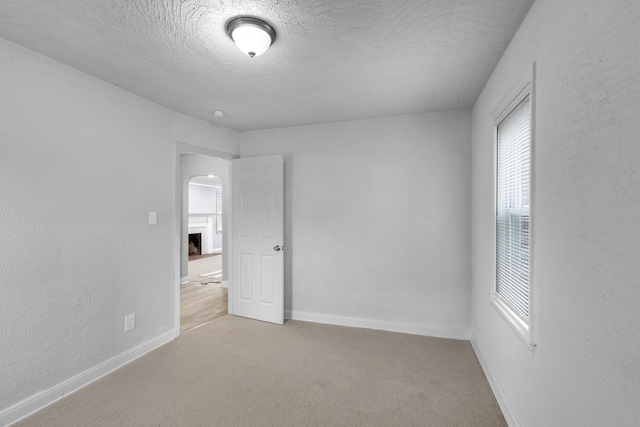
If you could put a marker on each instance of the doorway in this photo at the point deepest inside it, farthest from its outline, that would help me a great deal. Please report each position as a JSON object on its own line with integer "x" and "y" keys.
{"x": 202, "y": 189}
{"x": 202, "y": 296}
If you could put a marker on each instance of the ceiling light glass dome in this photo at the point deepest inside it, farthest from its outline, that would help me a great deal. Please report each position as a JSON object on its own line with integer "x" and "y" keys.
{"x": 252, "y": 36}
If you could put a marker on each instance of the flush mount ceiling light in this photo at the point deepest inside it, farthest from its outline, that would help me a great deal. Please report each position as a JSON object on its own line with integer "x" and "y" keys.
{"x": 252, "y": 36}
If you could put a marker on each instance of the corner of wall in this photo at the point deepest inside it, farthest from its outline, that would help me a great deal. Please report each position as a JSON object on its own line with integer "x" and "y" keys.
{"x": 501, "y": 397}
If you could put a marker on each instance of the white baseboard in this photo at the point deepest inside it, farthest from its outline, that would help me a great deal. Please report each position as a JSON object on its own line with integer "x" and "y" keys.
{"x": 407, "y": 328}
{"x": 224, "y": 284}
{"x": 45, "y": 398}
{"x": 506, "y": 408}
{"x": 184, "y": 280}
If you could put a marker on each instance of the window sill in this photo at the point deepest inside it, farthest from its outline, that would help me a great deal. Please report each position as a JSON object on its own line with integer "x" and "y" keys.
{"x": 522, "y": 329}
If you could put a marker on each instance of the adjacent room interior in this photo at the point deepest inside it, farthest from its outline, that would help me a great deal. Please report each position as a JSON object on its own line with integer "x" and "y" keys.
{"x": 389, "y": 117}
{"x": 202, "y": 297}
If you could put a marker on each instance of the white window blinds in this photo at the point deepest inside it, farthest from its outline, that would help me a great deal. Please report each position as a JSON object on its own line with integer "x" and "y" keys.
{"x": 512, "y": 209}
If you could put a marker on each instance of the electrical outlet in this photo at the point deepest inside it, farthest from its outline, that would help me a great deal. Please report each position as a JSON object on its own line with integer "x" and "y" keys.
{"x": 129, "y": 322}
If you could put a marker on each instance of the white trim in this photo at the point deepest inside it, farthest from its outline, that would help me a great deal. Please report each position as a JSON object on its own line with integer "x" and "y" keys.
{"x": 184, "y": 280}
{"x": 177, "y": 243}
{"x": 520, "y": 327}
{"x": 40, "y": 400}
{"x": 219, "y": 187}
{"x": 501, "y": 397}
{"x": 407, "y": 328}
{"x": 185, "y": 148}
{"x": 532, "y": 209}
{"x": 524, "y": 86}
{"x": 224, "y": 284}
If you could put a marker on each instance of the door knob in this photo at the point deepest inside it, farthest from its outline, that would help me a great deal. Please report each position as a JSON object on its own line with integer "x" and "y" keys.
{"x": 277, "y": 248}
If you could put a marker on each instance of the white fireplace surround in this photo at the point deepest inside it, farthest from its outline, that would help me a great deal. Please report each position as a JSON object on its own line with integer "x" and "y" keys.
{"x": 206, "y": 225}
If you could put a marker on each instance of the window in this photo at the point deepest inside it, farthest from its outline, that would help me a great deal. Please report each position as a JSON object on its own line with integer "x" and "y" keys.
{"x": 511, "y": 293}
{"x": 512, "y": 210}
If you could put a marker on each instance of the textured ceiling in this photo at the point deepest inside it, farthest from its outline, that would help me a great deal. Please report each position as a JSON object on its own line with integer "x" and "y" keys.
{"x": 333, "y": 60}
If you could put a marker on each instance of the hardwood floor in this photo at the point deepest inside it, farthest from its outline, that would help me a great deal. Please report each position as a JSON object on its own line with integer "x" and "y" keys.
{"x": 202, "y": 300}
{"x": 195, "y": 257}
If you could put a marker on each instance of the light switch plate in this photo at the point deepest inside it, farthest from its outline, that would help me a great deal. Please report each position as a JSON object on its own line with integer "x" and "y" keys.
{"x": 153, "y": 218}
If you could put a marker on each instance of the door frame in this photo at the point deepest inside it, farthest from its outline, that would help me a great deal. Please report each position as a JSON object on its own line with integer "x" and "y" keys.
{"x": 184, "y": 148}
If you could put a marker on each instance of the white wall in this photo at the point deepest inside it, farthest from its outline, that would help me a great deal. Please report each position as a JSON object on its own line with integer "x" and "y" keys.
{"x": 377, "y": 221}
{"x": 188, "y": 130}
{"x": 202, "y": 199}
{"x": 586, "y": 225}
{"x": 81, "y": 165}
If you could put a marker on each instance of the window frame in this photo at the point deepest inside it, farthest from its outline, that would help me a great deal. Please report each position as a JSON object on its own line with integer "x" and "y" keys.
{"x": 524, "y": 87}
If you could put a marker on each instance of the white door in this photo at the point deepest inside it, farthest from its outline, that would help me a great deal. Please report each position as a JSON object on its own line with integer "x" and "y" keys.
{"x": 257, "y": 197}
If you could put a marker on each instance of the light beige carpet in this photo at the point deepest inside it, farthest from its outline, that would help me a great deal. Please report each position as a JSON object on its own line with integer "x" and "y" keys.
{"x": 239, "y": 372}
